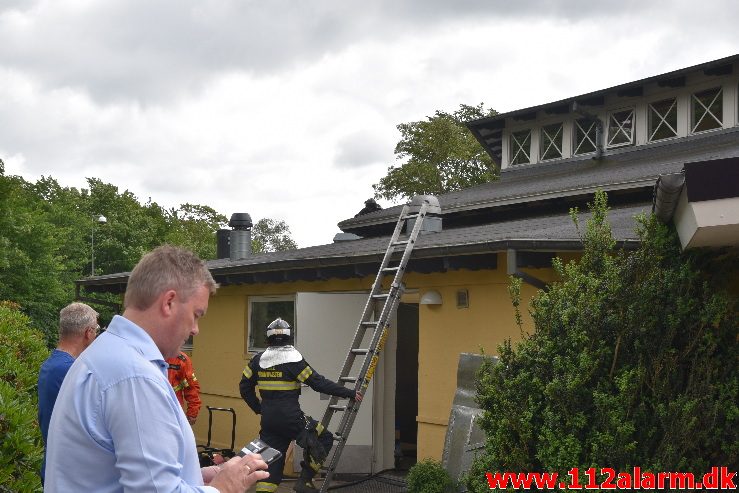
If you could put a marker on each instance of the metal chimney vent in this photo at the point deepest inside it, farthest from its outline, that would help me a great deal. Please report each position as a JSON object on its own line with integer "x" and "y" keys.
{"x": 432, "y": 223}
{"x": 240, "y": 239}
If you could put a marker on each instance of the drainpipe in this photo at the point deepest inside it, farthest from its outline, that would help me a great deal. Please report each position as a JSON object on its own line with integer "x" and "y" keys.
{"x": 599, "y": 130}
{"x": 515, "y": 272}
{"x": 666, "y": 195}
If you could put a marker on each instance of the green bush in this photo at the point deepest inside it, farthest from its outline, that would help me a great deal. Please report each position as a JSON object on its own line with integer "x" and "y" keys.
{"x": 428, "y": 476}
{"x": 22, "y": 351}
{"x": 632, "y": 362}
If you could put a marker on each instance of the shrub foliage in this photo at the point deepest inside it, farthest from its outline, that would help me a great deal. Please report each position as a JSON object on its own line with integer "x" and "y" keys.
{"x": 428, "y": 476}
{"x": 632, "y": 362}
{"x": 22, "y": 350}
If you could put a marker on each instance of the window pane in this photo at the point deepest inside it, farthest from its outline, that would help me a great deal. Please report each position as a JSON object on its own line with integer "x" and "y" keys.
{"x": 551, "y": 142}
{"x": 521, "y": 147}
{"x": 707, "y": 109}
{"x": 264, "y": 312}
{"x": 620, "y": 128}
{"x": 584, "y": 136}
{"x": 663, "y": 119}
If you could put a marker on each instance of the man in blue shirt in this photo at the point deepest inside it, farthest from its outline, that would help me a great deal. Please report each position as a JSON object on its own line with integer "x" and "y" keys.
{"x": 78, "y": 326}
{"x": 117, "y": 425}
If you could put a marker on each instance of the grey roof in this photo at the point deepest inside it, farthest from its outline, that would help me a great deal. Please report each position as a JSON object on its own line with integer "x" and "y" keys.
{"x": 621, "y": 169}
{"x": 546, "y": 233}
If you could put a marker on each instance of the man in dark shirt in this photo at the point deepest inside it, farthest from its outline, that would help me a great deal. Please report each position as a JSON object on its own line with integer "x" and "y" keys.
{"x": 78, "y": 327}
{"x": 279, "y": 371}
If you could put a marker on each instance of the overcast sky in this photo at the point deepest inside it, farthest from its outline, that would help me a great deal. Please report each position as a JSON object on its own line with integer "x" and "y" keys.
{"x": 288, "y": 108}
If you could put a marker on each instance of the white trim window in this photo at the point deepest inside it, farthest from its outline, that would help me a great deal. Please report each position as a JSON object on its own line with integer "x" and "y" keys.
{"x": 662, "y": 119}
{"x": 520, "y": 147}
{"x": 585, "y": 136}
{"x": 550, "y": 142}
{"x": 262, "y": 311}
{"x": 621, "y": 128}
{"x": 707, "y": 110}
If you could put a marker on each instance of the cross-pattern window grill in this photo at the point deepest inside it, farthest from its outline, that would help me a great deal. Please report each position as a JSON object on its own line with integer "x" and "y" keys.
{"x": 550, "y": 146}
{"x": 707, "y": 110}
{"x": 663, "y": 119}
{"x": 585, "y": 135}
{"x": 521, "y": 147}
{"x": 621, "y": 128}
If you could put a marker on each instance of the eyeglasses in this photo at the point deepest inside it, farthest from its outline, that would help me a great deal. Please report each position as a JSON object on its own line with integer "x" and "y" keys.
{"x": 96, "y": 329}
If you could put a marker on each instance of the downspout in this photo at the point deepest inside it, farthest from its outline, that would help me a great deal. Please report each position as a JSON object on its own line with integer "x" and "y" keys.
{"x": 666, "y": 195}
{"x": 599, "y": 132}
{"x": 514, "y": 271}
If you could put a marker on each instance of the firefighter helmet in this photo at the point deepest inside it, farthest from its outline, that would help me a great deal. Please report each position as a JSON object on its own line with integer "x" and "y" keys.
{"x": 278, "y": 332}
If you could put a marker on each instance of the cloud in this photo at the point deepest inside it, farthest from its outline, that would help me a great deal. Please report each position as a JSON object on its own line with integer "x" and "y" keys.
{"x": 288, "y": 109}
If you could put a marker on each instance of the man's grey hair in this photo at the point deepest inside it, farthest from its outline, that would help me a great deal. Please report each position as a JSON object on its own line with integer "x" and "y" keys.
{"x": 75, "y": 318}
{"x": 166, "y": 268}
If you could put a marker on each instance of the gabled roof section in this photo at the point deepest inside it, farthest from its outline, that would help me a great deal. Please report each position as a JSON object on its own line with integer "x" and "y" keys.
{"x": 628, "y": 174}
{"x": 489, "y": 131}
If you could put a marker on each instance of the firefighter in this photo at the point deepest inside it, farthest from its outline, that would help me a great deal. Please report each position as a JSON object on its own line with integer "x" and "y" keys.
{"x": 185, "y": 384}
{"x": 279, "y": 371}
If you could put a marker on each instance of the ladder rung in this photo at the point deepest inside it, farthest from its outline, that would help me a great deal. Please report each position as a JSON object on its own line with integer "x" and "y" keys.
{"x": 410, "y": 216}
{"x": 401, "y": 242}
{"x": 381, "y": 295}
{"x": 391, "y": 269}
{"x": 370, "y": 323}
{"x": 337, "y": 407}
{"x": 360, "y": 351}
{"x": 348, "y": 379}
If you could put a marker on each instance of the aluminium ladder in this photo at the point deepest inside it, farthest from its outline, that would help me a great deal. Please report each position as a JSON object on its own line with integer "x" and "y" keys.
{"x": 379, "y": 326}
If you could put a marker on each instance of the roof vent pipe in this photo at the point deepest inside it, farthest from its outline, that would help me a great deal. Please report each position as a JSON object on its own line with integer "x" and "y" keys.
{"x": 240, "y": 238}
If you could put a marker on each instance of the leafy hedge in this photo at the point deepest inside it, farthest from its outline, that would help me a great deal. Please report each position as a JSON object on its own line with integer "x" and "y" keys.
{"x": 22, "y": 351}
{"x": 632, "y": 362}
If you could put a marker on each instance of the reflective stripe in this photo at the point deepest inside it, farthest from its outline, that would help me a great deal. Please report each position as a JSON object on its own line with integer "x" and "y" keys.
{"x": 247, "y": 372}
{"x": 182, "y": 385}
{"x": 307, "y": 372}
{"x": 262, "y": 486}
{"x": 278, "y": 385}
{"x": 319, "y": 428}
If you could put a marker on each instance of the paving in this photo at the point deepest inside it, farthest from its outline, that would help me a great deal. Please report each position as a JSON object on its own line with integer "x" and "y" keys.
{"x": 384, "y": 482}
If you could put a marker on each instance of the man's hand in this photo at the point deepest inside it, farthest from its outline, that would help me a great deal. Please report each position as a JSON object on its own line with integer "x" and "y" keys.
{"x": 191, "y": 420}
{"x": 358, "y": 397}
{"x": 237, "y": 475}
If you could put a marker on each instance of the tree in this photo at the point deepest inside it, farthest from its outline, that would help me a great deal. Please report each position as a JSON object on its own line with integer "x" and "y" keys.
{"x": 22, "y": 351}
{"x": 269, "y": 235}
{"x": 194, "y": 227}
{"x": 438, "y": 155}
{"x": 632, "y": 362}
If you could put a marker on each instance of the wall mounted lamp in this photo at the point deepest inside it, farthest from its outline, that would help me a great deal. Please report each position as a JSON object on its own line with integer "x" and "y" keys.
{"x": 430, "y": 297}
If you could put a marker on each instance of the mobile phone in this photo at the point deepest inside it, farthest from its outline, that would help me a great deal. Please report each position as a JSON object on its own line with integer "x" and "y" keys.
{"x": 257, "y": 446}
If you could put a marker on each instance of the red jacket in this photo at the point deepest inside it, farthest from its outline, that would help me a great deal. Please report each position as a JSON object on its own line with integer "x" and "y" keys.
{"x": 185, "y": 384}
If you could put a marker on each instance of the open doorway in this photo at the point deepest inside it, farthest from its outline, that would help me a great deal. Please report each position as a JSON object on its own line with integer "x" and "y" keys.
{"x": 406, "y": 386}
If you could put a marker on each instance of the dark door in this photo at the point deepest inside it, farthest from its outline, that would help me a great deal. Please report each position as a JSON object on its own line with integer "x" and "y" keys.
{"x": 406, "y": 386}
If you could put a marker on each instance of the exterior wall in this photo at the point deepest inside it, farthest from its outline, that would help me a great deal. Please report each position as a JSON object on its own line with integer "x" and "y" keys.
{"x": 219, "y": 353}
{"x": 445, "y": 331}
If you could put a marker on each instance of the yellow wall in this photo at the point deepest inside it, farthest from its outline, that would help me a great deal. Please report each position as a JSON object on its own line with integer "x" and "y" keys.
{"x": 445, "y": 331}
{"x": 219, "y": 354}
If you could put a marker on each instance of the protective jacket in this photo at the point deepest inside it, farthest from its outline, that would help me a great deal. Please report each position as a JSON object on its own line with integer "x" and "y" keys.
{"x": 282, "y": 419}
{"x": 185, "y": 384}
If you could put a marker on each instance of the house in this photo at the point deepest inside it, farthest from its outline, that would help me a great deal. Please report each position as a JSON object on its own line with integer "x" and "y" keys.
{"x": 553, "y": 157}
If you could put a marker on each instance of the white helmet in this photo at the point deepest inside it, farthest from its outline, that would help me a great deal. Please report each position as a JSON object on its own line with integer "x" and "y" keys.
{"x": 279, "y": 327}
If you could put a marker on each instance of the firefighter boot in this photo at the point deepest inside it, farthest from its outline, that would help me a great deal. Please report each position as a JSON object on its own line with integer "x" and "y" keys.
{"x": 304, "y": 484}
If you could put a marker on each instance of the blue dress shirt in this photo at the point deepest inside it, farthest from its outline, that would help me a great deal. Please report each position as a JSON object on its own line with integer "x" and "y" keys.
{"x": 50, "y": 379}
{"x": 117, "y": 425}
